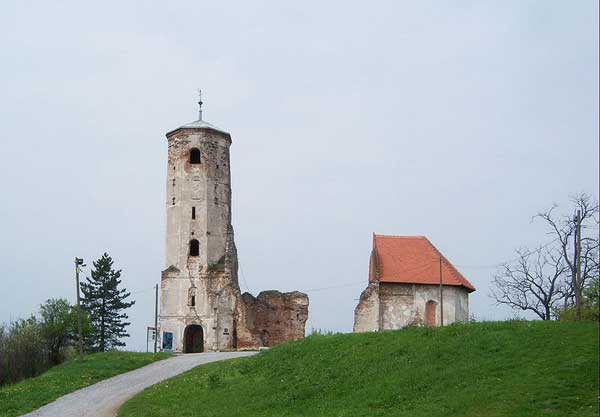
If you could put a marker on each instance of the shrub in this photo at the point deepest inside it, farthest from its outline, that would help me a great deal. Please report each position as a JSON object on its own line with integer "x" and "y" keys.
{"x": 30, "y": 346}
{"x": 22, "y": 351}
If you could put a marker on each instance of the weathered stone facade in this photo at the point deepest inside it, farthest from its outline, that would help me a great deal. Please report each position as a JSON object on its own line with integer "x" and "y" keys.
{"x": 273, "y": 317}
{"x": 391, "y": 306}
{"x": 201, "y": 304}
{"x": 402, "y": 289}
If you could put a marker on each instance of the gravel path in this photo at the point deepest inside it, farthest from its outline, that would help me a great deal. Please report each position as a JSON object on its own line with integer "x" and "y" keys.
{"x": 104, "y": 398}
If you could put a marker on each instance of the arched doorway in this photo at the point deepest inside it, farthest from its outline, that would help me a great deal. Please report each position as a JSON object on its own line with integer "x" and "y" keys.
{"x": 193, "y": 339}
{"x": 430, "y": 313}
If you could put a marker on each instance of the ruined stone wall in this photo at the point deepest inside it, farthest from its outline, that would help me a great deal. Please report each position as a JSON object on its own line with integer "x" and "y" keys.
{"x": 272, "y": 318}
{"x": 366, "y": 313}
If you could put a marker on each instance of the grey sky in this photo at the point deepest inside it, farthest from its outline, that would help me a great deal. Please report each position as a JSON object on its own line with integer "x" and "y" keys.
{"x": 457, "y": 120}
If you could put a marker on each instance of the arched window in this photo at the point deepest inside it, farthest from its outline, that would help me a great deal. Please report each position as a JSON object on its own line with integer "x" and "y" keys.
{"x": 194, "y": 248}
{"x": 194, "y": 156}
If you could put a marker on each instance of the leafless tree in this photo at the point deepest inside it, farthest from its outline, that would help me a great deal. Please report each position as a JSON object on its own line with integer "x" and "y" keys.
{"x": 563, "y": 229}
{"x": 534, "y": 281}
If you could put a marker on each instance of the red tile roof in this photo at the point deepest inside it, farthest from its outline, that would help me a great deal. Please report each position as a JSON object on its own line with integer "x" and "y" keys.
{"x": 412, "y": 260}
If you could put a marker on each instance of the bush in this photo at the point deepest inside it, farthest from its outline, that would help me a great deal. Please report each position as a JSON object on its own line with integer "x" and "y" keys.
{"x": 22, "y": 351}
{"x": 29, "y": 347}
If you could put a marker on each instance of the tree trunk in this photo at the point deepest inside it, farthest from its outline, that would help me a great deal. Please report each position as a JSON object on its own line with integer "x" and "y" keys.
{"x": 102, "y": 344}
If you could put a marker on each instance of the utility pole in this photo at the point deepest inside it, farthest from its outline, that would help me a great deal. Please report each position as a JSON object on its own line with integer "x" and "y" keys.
{"x": 78, "y": 262}
{"x": 441, "y": 296}
{"x": 577, "y": 261}
{"x": 155, "y": 317}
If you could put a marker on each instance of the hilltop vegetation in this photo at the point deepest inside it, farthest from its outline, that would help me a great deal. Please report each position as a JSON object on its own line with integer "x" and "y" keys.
{"x": 483, "y": 369}
{"x": 33, "y": 393}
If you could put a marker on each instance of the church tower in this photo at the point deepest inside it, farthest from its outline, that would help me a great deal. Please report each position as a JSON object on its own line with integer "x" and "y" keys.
{"x": 199, "y": 287}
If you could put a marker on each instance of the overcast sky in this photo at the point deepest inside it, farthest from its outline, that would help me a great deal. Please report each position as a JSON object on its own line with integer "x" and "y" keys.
{"x": 457, "y": 120}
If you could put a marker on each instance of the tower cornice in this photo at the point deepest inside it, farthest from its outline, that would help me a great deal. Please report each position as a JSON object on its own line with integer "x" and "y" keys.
{"x": 192, "y": 129}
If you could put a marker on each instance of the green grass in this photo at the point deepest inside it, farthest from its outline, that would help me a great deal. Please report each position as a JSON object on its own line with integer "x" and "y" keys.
{"x": 484, "y": 369}
{"x": 32, "y": 393}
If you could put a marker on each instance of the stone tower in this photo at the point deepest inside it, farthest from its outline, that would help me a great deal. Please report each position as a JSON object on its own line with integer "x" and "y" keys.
{"x": 199, "y": 288}
{"x": 201, "y": 306}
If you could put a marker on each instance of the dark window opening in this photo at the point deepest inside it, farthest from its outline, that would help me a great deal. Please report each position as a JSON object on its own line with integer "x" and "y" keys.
{"x": 173, "y": 200}
{"x": 195, "y": 156}
{"x": 194, "y": 248}
{"x": 193, "y": 213}
{"x": 192, "y": 297}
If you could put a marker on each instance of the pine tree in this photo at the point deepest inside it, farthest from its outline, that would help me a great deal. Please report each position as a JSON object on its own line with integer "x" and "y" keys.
{"x": 104, "y": 303}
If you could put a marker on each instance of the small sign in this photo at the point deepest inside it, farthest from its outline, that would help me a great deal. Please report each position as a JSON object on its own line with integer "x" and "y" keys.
{"x": 167, "y": 342}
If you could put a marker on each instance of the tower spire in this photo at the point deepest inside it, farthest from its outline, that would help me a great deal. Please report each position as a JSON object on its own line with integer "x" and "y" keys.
{"x": 199, "y": 104}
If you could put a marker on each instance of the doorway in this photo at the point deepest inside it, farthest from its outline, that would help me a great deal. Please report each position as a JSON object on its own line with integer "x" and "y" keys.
{"x": 193, "y": 339}
{"x": 430, "y": 313}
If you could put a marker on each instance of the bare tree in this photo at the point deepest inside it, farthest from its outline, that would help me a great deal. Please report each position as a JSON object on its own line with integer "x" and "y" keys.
{"x": 534, "y": 281}
{"x": 563, "y": 228}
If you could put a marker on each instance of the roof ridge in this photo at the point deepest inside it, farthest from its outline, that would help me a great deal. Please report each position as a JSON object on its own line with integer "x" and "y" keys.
{"x": 402, "y": 236}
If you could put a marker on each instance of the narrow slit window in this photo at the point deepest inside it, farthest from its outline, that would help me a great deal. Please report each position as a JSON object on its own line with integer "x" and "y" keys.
{"x": 192, "y": 297}
{"x": 193, "y": 213}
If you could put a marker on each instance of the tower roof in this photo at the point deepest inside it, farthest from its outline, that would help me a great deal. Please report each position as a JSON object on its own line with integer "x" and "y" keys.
{"x": 199, "y": 124}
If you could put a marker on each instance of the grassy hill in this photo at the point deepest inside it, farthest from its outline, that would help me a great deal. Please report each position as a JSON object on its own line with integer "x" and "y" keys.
{"x": 485, "y": 369}
{"x": 32, "y": 393}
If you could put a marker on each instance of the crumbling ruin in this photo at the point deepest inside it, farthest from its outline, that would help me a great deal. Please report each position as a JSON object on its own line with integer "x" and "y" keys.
{"x": 202, "y": 307}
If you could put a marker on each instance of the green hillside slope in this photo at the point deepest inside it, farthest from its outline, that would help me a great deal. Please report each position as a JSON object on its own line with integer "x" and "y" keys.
{"x": 32, "y": 393}
{"x": 485, "y": 369}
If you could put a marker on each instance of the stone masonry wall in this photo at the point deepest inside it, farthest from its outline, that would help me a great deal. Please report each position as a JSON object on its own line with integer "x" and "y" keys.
{"x": 391, "y": 306}
{"x": 366, "y": 313}
{"x": 272, "y": 318}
